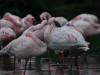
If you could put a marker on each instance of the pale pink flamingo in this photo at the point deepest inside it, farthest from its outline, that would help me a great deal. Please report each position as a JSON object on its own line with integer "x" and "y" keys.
{"x": 45, "y": 16}
{"x": 26, "y": 46}
{"x": 86, "y": 28}
{"x": 28, "y": 21}
{"x": 61, "y": 20}
{"x": 6, "y": 35}
{"x": 86, "y": 17}
{"x": 64, "y": 38}
{"x": 57, "y": 38}
{"x": 5, "y": 23}
{"x": 87, "y": 23}
{"x": 16, "y": 22}
{"x": 13, "y": 18}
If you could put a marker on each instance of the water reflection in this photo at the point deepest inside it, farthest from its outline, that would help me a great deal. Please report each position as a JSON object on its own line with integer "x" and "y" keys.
{"x": 68, "y": 68}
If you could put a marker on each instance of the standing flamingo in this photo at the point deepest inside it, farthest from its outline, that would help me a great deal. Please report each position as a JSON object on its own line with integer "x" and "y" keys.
{"x": 26, "y": 46}
{"x": 64, "y": 38}
{"x": 6, "y": 35}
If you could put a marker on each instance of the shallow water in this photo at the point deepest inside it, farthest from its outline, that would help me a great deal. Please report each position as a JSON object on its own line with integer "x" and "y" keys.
{"x": 89, "y": 67}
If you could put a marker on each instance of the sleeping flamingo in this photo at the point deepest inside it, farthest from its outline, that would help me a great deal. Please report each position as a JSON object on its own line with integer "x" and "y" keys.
{"x": 5, "y": 23}
{"x": 45, "y": 16}
{"x": 88, "y": 24}
{"x": 61, "y": 20}
{"x": 28, "y": 21}
{"x": 86, "y": 28}
{"x": 6, "y": 35}
{"x": 64, "y": 38}
{"x": 86, "y": 17}
{"x": 26, "y": 46}
{"x": 16, "y": 22}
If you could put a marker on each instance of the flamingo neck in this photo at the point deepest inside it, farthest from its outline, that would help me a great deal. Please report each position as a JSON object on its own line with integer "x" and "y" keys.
{"x": 15, "y": 25}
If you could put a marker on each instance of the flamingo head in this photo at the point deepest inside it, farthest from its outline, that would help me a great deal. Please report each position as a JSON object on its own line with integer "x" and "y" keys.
{"x": 30, "y": 19}
{"x": 45, "y": 16}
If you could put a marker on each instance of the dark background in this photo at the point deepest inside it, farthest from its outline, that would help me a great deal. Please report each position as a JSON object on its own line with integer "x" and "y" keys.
{"x": 66, "y": 8}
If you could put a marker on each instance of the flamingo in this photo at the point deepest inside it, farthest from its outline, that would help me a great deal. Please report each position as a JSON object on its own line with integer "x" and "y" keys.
{"x": 86, "y": 17}
{"x": 28, "y": 21}
{"x": 45, "y": 16}
{"x": 26, "y": 46}
{"x": 86, "y": 28}
{"x": 6, "y": 35}
{"x": 10, "y": 17}
{"x": 5, "y": 23}
{"x": 16, "y": 22}
{"x": 87, "y": 24}
{"x": 64, "y": 38}
{"x": 61, "y": 20}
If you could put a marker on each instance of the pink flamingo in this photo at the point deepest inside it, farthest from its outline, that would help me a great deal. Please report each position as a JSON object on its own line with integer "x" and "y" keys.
{"x": 26, "y": 46}
{"x": 57, "y": 38}
{"x": 6, "y": 35}
{"x": 61, "y": 20}
{"x": 16, "y": 22}
{"x": 45, "y": 16}
{"x": 28, "y": 21}
{"x": 5, "y": 23}
{"x": 64, "y": 38}
{"x": 86, "y": 17}
{"x": 86, "y": 28}
{"x": 87, "y": 24}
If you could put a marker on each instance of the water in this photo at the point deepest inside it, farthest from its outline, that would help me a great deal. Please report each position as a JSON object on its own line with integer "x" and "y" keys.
{"x": 89, "y": 67}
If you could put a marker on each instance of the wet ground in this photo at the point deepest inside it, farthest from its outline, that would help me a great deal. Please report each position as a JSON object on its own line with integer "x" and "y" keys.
{"x": 89, "y": 66}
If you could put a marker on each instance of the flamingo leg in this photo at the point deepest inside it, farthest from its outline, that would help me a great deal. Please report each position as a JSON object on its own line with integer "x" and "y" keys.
{"x": 26, "y": 61}
{"x": 61, "y": 69}
{"x": 14, "y": 63}
{"x": 76, "y": 65}
{"x": 76, "y": 61}
{"x": 61, "y": 57}
{"x": 49, "y": 64}
{"x": 30, "y": 64}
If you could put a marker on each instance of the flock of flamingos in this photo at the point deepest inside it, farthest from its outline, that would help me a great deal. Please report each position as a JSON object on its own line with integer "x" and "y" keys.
{"x": 28, "y": 39}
